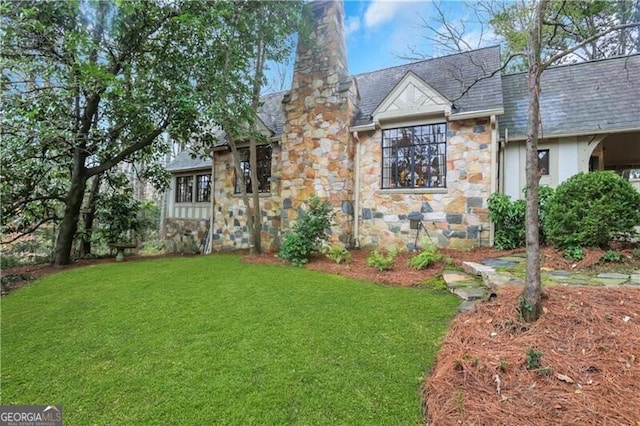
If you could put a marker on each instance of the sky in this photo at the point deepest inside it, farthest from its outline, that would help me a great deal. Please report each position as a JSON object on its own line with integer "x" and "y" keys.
{"x": 380, "y": 32}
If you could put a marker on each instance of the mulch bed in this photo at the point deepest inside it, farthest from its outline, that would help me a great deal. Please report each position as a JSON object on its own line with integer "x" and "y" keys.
{"x": 589, "y": 339}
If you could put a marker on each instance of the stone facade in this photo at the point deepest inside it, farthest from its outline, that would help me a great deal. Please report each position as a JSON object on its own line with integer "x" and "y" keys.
{"x": 316, "y": 157}
{"x": 185, "y": 235}
{"x": 317, "y": 152}
{"x": 455, "y": 216}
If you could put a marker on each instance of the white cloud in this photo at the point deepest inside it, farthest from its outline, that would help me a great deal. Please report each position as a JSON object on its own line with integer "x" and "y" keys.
{"x": 351, "y": 25}
{"x": 381, "y": 11}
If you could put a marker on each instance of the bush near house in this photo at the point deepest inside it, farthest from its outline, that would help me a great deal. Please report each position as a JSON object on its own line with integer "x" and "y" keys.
{"x": 509, "y": 217}
{"x": 590, "y": 209}
{"x": 308, "y": 233}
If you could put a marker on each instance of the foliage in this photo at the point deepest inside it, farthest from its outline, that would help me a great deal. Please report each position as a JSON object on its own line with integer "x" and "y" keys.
{"x": 567, "y": 24}
{"x": 88, "y": 85}
{"x": 532, "y": 361}
{"x": 590, "y": 209}
{"x": 383, "y": 261}
{"x": 118, "y": 216}
{"x": 509, "y": 217}
{"x": 308, "y": 232}
{"x": 574, "y": 253}
{"x": 338, "y": 254}
{"x": 612, "y": 256}
{"x": 134, "y": 340}
{"x": 428, "y": 256}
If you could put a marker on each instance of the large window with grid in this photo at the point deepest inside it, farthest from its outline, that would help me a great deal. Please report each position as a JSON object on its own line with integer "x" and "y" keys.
{"x": 414, "y": 157}
{"x": 263, "y": 153}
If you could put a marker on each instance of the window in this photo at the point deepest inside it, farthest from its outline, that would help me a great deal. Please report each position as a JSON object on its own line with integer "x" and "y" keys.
{"x": 414, "y": 157}
{"x": 203, "y": 188}
{"x": 263, "y": 153}
{"x": 184, "y": 189}
{"x": 543, "y": 162}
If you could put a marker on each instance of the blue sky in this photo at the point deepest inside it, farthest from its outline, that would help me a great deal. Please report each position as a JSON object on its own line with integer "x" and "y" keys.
{"x": 379, "y": 31}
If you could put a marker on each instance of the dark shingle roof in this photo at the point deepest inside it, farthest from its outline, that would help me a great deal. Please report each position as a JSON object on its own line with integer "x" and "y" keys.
{"x": 578, "y": 98}
{"x": 185, "y": 162}
{"x": 272, "y": 112}
{"x": 449, "y": 75}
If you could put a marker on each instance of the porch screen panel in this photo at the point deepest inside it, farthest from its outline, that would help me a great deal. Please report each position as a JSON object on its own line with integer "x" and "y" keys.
{"x": 414, "y": 157}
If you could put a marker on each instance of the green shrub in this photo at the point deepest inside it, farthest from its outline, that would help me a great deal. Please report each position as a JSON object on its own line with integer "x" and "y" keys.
{"x": 428, "y": 256}
{"x": 338, "y": 254}
{"x": 308, "y": 233}
{"x": 533, "y": 359}
{"x": 509, "y": 217}
{"x": 590, "y": 209}
{"x": 383, "y": 261}
{"x": 574, "y": 253}
{"x": 612, "y": 256}
{"x": 436, "y": 283}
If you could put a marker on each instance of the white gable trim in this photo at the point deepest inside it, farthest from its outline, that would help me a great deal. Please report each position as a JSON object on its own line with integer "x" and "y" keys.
{"x": 411, "y": 97}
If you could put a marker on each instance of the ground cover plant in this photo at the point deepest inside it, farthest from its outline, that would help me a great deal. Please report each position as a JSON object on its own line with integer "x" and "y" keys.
{"x": 208, "y": 339}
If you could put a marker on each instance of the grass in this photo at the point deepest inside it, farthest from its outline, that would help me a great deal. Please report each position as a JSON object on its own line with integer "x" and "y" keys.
{"x": 205, "y": 340}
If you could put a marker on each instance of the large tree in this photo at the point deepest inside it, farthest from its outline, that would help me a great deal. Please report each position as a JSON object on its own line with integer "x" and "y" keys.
{"x": 538, "y": 34}
{"x": 89, "y": 84}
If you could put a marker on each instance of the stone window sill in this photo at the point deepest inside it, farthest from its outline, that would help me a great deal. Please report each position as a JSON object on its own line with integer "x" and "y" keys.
{"x": 413, "y": 191}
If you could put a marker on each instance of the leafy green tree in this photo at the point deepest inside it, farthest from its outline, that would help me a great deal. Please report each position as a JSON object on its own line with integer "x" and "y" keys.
{"x": 90, "y": 84}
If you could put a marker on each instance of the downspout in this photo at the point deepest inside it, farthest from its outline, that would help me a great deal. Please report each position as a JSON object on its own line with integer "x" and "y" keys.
{"x": 212, "y": 216}
{"x": 356, "y": 202}
{"x": 494, "y": 170}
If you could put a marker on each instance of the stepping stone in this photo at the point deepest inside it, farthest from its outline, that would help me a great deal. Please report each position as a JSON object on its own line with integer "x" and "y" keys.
{"x": 559, "y": 273}
{"x": 470, "y": 293}
{"x": 467, "y": 305}
{"x": 455, "y": 276}
{"x": 476, "y": 268}
{"x": 515, "y": 259}
{"x": 611, "y": 281}
{"x": 634, "y": 279}
{"x": 499, "y": 263}
{"x": 613, "y": 275}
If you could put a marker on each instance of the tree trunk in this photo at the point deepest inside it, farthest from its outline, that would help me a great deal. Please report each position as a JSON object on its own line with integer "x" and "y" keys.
{"x": 530, "y": 302}
{"x": 73, "y": 205}
{"x": 89, "y": 216}
{"x": 256, "y": 230}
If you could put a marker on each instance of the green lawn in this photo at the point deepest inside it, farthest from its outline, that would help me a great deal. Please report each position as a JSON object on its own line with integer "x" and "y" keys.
{"x": 204, "y": 340}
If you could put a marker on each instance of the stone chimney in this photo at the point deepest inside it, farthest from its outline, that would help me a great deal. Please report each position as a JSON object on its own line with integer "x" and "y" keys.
{"x": 317, "y": 152}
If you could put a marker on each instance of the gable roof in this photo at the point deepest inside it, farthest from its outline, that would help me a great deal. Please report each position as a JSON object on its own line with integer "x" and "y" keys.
{"x": 449, "y": 75}
{"x": 582, "y": 98}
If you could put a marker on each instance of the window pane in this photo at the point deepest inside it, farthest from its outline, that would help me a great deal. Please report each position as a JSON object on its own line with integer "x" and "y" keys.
{"x": 414, "y": 157}
{"x": 184, "y": 189}
{"x": 543, "y": 161}
{"x": 203, "y": 188}
{"x": 263, "y": 154}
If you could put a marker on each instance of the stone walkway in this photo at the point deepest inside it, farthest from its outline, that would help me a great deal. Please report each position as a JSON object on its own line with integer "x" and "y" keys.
{"x": 479, "y": 280}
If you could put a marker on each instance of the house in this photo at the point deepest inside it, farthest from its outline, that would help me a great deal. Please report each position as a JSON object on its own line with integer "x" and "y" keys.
{"x": 428, "y": 141}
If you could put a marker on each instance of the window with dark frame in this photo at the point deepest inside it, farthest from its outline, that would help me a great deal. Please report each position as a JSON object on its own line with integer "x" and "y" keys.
{"x": 203, "y": 188}
{"x": 184, "y": 189}
{"x": 414, "y": 157}
{"x": 543, "y": 162}
{"x": 263, "y": 153}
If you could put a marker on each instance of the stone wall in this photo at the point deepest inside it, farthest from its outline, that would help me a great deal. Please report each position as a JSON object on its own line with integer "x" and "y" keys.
{"x": 455, "y": 216}
{"x": 317, "y": 156}
{"x": 230, "y": 220}
{"x": 184, "y": 235}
